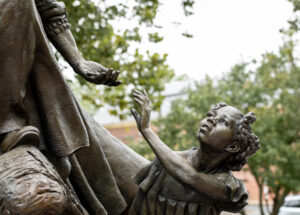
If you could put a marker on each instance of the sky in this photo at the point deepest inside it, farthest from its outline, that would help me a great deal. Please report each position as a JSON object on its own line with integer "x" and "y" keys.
{"x": 225, "y": 32}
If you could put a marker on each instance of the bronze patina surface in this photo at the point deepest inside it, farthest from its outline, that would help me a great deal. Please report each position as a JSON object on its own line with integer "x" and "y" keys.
{"x": 55, "y": 159}
{"x": 197, "y": 181}
{"x": 34, "y": 93}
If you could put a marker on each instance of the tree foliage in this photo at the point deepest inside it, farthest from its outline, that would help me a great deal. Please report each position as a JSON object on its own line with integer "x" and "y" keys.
{"x": 269, "y": 87}
{"x": 272, "y": 91}
{"x": 92, "y": 24}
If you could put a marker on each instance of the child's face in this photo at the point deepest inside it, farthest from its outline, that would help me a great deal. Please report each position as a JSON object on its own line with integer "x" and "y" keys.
{"x": 217, "y": 129}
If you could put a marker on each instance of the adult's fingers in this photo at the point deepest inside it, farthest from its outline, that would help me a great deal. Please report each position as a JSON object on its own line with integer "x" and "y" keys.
{"x": 116, "y": 83}
{"x": 108, "y": 76}
{"x": 115, "y": 76}
{"x": 100, "y": 78}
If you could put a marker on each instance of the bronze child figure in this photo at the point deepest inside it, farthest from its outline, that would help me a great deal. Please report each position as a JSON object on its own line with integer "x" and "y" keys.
{"x": 196, "y": 181}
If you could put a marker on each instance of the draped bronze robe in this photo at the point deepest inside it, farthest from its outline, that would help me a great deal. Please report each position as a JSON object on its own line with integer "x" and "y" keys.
{"x": 34, "y": 92}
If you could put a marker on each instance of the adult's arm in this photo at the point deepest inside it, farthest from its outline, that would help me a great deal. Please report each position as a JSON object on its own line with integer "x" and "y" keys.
{"x": 57, "y": 27}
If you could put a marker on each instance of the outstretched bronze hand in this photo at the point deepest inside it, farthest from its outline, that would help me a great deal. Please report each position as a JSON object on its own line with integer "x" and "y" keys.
{"x": 143, "y": 120}
{"x": 57, "y": 28}
{"x": 96, "y": 73}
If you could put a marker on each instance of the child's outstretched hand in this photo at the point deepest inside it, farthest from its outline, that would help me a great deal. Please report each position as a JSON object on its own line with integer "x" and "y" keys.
{"x": 143, "y": 120}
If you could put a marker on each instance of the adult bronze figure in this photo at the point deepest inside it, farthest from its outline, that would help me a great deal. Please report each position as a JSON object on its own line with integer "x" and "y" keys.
{"x": 197, "y": 181}
{"x": 38, "y": 108}
{"x": 30, "y": 76}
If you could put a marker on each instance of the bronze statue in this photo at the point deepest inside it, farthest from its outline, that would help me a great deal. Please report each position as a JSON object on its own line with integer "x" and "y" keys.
{"x": 196, "y": 181}
{"x": 37, "y": 108}
{"x": 55, "y": 159}
{"x": 30, "y": 76}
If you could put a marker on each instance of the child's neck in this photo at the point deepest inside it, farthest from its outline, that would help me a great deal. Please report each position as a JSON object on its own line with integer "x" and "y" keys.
{"x": 206, "y": 160}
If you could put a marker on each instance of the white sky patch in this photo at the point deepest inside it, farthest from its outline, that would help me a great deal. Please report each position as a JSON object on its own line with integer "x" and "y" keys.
{"x": 224, "y": 33}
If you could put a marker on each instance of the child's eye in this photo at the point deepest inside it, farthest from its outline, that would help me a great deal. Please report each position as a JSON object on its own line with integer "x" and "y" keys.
{"x": 223, "y": 121}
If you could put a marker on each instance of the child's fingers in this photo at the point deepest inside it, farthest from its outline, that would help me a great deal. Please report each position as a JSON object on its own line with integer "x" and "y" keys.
{"x": 145, "y": 93}
{"x": 141, "y": 103}
{"x": 138, "y": 92}
{"x": 140, "y": 97}
{"x": 135, "y": 114}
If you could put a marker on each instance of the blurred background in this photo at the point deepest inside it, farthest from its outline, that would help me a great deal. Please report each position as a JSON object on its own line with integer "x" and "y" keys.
{"x": 190, "y": 55}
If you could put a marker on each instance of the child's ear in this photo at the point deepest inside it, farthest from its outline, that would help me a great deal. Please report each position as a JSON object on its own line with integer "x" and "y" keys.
{"x": 233, "y": 148}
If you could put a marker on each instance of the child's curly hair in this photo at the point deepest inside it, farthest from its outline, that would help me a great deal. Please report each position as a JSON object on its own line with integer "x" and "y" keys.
{"x": 245, "y": 138}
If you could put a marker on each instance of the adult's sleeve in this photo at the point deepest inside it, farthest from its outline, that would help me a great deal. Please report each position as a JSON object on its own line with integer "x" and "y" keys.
{"x": 53, "y": 15}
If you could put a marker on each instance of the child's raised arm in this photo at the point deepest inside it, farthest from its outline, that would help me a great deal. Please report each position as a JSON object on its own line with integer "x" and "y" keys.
{"x": 205, "y": 184}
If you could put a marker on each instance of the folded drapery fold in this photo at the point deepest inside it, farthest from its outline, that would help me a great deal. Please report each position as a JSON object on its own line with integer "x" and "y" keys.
{"x": 34, "y": 92}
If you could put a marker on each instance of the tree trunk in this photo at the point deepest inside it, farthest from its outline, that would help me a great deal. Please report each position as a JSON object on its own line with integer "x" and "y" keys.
{"x": 278, "y": 201}
{"x": 260, "y": 187}
{"x": 261, "y": 193}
